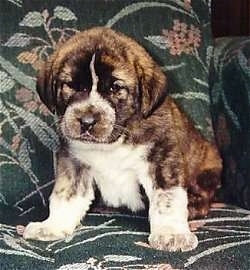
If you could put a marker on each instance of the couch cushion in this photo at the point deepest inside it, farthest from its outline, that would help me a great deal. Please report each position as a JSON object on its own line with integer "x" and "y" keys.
{"x": 120, "y": 241}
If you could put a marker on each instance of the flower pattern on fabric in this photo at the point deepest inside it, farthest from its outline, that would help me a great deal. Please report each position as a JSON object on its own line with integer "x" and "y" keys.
{"x": 182, "y": 38}
{"x": 42, "y": 47}
{"x": 30, "y": 101}
{"x": 187, "y": 4}
{"x": 119, "y": 241}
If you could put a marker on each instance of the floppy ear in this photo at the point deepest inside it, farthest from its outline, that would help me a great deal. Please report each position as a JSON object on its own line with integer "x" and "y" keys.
{"x": 153, "y": 85}
{"x": 46, "y": 87}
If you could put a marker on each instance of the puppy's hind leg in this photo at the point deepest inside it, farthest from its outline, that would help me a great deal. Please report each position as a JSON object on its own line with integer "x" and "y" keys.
{"x": 69, "y": 202}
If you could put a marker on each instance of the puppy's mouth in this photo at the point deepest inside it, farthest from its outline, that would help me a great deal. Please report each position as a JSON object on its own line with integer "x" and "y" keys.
{"x": 91, "y": 139}
{"x": 76, "y": 133}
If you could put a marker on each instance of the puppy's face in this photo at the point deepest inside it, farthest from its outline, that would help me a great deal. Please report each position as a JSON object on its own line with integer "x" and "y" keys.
{"x": 97, "y": 81}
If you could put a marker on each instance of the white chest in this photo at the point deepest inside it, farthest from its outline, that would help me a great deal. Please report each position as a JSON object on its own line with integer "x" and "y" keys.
{"x": 117, "y": 169}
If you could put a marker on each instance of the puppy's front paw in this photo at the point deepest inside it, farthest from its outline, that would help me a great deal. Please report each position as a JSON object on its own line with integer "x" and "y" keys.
{"x": 44, "y": 232}
{"x": 173, "y": 242}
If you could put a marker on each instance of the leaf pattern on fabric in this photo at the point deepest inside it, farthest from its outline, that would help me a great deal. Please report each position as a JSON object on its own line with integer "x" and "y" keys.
{"x": 18, "y": 3}
{"x": 32, "y": 19}
{"x": 6, "y": 82}
{"x": 18, "y": 40}
{"x": 224, "y": 229}
{"x": 175, "y": 5}
{"x": 64, "y": 14}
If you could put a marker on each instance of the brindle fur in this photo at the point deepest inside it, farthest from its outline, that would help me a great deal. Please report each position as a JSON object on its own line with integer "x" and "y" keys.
{"x": 179, "y": 155}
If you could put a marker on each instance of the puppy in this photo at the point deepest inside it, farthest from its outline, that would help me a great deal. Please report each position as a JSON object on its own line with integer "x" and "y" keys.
{"x": 120, "y": 132}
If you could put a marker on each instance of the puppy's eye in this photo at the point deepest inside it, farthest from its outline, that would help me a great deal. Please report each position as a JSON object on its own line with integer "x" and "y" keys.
{"x": 75, "y": 86}
{"x": 116, "y": 86}
{"x": 119, "y": 90}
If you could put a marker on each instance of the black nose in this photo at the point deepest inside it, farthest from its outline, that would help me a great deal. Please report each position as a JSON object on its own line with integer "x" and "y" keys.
{"x": 86, "y": 123}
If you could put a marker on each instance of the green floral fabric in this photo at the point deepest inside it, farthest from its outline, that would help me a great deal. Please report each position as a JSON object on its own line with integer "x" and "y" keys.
{"x": 230, "y": 95}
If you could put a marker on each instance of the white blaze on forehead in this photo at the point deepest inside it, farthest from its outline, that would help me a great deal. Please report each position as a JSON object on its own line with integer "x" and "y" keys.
{"x": 93, "y": 74}
{"x": 94, "y": 100}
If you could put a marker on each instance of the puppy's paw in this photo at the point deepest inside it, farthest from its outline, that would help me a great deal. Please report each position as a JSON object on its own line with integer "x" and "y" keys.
{"x": 43, "y": 231}
{"x": 173, "y": 242}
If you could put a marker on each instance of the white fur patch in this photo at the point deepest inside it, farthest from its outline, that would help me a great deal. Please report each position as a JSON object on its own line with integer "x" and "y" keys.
{"x": 93, "y": 74}
{"x": 63, "y": 218}
{"x": 95, "y": 100}
{"x": 168, "y": 214}
{"x": 118, "y": 171}
{"x": 168, "y": 209}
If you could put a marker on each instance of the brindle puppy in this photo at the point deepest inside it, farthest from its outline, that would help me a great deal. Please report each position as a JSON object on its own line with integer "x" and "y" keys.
{"x": 121, "y": 132}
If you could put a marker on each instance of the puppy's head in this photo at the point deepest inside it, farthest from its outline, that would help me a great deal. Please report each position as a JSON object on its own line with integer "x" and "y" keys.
{"x": 97, "y": 81}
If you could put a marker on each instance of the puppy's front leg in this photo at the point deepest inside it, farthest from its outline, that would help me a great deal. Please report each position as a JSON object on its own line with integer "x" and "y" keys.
{"x": 69, "y": 202}
{"x": 168, "y": 215}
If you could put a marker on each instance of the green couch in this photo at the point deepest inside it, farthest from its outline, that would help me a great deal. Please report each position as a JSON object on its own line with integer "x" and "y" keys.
{"x": 211, "y": 83}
